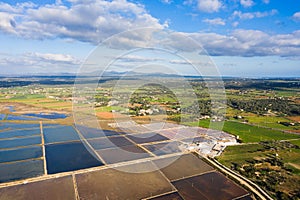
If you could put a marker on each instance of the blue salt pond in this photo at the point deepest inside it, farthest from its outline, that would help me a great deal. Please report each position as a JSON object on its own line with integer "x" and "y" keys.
{"x": 8, "y": 125}
{"x": 20, "y": 154}
{"x": 68, "y": 157}
{"x": 20, "y": 142}
{"x": 88, "y": 132}
{"x": 11, "y": 108}
{"x": 2, "y": 116}
{"x": 20, "y": 117}
{"x": 19, "y": 133}
{"x": 21, "y": 170}
{"x": 60, "y": 134}
{"x": 47, "y": 115}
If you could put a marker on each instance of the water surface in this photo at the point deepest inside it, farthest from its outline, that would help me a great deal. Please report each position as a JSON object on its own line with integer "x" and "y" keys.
{"x": 19, "y": 133}
{"x": 47, "y": 115}
{"x": 20, "y": 154}
{"x": 68, "y": 157}
{"x": 21, "y": 170}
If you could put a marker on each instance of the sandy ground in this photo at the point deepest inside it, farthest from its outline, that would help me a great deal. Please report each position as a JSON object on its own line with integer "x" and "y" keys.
{"x": 108, "y": 115}
{"x": 295, "y": 118}
{"x": 103, "y": 118}
{"x": 20, "y": 108}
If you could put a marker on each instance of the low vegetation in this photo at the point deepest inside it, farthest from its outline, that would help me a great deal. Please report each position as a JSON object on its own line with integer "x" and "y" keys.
{"x": 247, "y": 133}
{"x": 274, "y": 165}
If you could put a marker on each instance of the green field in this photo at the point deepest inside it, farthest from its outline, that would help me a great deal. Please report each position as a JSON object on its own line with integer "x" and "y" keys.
{"x": 241, "y": 153}
{"x": 296, "y": 142}
{"x": 275, "y": 166}
{"x": 271, "y": 122}
{"x": 29, "y": 96}
{"x": 247, "y": 133}
{"x": 109, "y": 109}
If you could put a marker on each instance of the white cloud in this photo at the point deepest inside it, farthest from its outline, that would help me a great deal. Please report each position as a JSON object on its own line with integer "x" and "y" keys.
{"x": 90, "y": 22}
{"x": 215, "y": 21}
{"x": 209, "y": 6}
{"x": 166, "y": 1}
{"x": 247, "y": 43}
{"x": 250, "y": 37}
{"x": 137, "y": 58}
{"x": 235, "y": 24}
{"x": 178, "y": 41}
{"x": 58, "y": 2}
{"x": 252, "y": 15}
{"x": 247, "y": 3}
{"x": 94, "y": 21}
{"x": 17, "y": 9}
{"x": 39, "y": 63}
{"x": 7, "y": 22}
{"x": 54, "y": 58}
{"x": 296, "y": 16}
{"x": 182, "y": 62}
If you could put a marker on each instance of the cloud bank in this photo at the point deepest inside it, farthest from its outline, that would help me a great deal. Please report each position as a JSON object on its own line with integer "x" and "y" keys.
{"x": 88, "y": 21}
{"x": 93, "y": 21}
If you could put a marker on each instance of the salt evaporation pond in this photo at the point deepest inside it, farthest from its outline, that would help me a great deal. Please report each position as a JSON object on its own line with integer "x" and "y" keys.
{"x": 52, "y": 115}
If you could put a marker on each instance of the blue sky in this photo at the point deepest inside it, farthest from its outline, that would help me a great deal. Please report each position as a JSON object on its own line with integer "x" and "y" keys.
{"x": 243, "y": 37}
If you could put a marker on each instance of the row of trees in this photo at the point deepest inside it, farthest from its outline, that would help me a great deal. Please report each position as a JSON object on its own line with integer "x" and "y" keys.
{"x": 262, "y": 106}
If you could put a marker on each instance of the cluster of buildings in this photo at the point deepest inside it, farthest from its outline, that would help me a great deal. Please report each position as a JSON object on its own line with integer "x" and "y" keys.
{"x": 205, "y": 141}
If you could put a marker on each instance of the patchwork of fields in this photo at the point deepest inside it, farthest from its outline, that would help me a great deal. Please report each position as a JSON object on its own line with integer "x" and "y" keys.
{"x": 187, "y": 178}
{"x": 39, "y": 141}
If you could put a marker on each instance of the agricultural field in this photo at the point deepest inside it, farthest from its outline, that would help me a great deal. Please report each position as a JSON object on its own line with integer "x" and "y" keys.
{"x": 247, "y": 133}
{"x": 264, "y": 115}
{"x": 275, "y": 166}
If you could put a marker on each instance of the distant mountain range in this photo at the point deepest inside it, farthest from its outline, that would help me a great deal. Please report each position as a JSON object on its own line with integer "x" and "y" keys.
{"x": 132, "y": 74}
